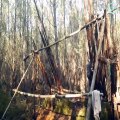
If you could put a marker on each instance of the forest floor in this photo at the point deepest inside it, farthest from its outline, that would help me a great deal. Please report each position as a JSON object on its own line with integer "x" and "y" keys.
{"x": 44, "y": 114}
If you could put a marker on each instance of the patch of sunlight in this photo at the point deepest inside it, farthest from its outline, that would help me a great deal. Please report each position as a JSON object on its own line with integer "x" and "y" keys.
{"x": 81, "y": 114}
{"x": 66, "y": 110}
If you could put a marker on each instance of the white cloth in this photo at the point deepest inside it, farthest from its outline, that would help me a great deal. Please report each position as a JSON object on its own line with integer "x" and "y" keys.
{"x": 96, "y": 104}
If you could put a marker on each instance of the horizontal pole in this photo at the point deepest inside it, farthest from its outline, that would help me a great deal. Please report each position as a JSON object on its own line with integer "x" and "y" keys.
{"x": 55, "y": 95}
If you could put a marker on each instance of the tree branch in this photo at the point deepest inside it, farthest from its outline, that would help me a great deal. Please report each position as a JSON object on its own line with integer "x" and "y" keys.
{"x": 67, "y": 36}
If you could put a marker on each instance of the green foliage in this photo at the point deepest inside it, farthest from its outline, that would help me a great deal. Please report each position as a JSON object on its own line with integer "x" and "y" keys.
{"x": 15, "y": 112}
{"x": 46, "y": 103}
{"x": 4, "y": 99}
{"x": 63, "y": 106}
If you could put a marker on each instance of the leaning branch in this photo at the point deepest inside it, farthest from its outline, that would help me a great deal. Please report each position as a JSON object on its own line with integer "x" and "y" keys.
{"x": 92, "y": 22}
{"x": 67, "y": 36}
{"x": 70, "y": 35}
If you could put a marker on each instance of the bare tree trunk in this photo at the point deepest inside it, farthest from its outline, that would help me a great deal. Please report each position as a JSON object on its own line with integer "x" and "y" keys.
{"x": 8, "y": 21}
{"x": 1, "y": 19}
{"x": 14, "y": 47}
{"x": 55, "y": 30}
{"x": 24, "y": 32}
{"x": 65, "y": 45}
{"x": 1, "y": 61}
{"x": 84, "y": 65}
{"x": 27, "y": 24}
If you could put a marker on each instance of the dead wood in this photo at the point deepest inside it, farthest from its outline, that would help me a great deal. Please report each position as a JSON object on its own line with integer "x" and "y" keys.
{"x": 95, "y": 70}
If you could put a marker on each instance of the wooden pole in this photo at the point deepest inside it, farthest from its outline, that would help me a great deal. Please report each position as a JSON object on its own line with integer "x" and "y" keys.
{"x": 78, "y": 95}
{"x": 95, "y": 70}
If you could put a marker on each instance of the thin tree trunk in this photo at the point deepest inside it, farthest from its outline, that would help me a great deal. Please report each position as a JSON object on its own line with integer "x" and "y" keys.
{"x": 65, "y": 45}
{"x": 55, "y": 30}
{"x": 14, "y": 48}
{"x": 1, "y": 20}
{"x": 8, "y": 22}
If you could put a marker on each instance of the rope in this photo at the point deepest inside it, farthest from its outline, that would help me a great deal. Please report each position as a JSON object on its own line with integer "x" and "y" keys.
{"x": 17, "y": 89}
